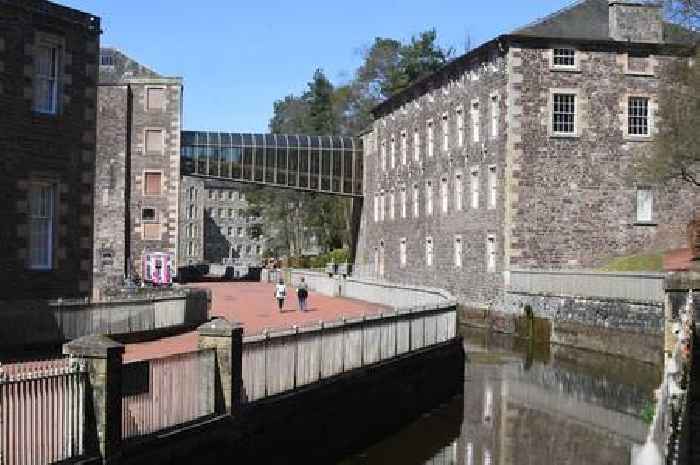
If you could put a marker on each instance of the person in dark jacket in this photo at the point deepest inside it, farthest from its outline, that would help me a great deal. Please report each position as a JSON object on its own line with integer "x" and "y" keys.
{"x": 302, "y": 294}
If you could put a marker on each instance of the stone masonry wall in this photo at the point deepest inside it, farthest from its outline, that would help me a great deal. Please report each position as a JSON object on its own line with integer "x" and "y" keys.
{"x": 55, "y": 149}
{"x": 484, "y": 79}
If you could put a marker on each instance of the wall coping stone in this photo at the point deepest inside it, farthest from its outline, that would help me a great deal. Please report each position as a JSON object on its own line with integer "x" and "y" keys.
{"x": 685, "y": 280}
{"x": 655, "y": 303}
{"x": 96, "y": 345}
{"x": 219, "y": 327}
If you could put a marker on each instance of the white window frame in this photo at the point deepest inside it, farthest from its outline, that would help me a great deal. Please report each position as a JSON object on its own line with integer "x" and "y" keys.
{"x": 577, "y": 110}
{"x": 145, "y": 99}
{"x": 493, "y": 186}
{"x": 392, "y": 151}
{"x": 403, "y": 252}
{"x": 383, "y": 155}
{"x": 475, "y": 181}
{"x": 428, "y": 197}
{"x": 641, "y": 216}
{"x": 649, "y": 117}
{"x": 429, "y": 251}
{"x": 431, "y": 138}
{"x": 145, "y": 141}
{"x": 416, "y": 201}
{"x": 403, "y": 202}
{"x": 476, "y": 124}
{"x": 404, "y": 148}
{"x": 50, "y": 78}
{"x": 41, "y": 217}
{"x": 416, "y": 145}
{"x": 376, "y": 207}
{"x": 382, "y": 206}
{"x": 444, "y": 194}
{"x": 491, "y": 253}
{"x": 460, "y": 126}
{"x": 458, "y": 250}
{"x": 563, "y": 67}
{"x": 445, "y": 132}
{"x": 392, "y": 204}
{"x": 495, "y": 114}
{"x": 459, "y": 191}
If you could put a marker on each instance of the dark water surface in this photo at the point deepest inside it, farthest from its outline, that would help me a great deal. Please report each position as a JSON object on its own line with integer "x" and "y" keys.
{"x": 528, "y": 405}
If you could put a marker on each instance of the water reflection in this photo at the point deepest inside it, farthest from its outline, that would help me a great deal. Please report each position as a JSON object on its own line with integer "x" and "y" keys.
{"x": 525, "y": 404}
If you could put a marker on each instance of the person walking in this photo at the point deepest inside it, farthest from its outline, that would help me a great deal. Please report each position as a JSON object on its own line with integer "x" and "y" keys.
{"x": 280, "y": 293}
{"x": 302, "y": 294}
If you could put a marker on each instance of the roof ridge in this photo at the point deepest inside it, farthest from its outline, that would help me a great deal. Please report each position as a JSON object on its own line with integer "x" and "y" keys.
{"x": 565, "y": 9}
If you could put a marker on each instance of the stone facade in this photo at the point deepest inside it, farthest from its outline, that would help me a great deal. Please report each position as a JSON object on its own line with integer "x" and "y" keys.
{"x": 48, "y": 75}
{"x": 215, "y": 225}
{"x": 138, "y": 166}
{"x": 532, "y": 194}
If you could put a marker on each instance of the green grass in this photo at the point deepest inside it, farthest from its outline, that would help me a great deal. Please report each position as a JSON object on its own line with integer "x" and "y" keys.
{"x": 646, "y": 262}
{"x": 648, "y": 411}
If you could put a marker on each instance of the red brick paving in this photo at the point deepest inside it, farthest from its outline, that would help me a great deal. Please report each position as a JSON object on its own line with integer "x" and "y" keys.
{"x": 254, "y": 305}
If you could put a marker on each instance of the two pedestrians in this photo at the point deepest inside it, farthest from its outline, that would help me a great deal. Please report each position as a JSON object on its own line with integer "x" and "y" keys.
{"x": 302, "y": 294}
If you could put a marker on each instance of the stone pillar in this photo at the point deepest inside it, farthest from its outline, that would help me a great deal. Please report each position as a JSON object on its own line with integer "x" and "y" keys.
{"x": 226, "y": 339}
{"x": 103, "y": 414}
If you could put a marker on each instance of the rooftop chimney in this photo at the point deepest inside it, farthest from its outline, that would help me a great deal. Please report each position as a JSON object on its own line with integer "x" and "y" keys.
{"x": 635, "y": 21}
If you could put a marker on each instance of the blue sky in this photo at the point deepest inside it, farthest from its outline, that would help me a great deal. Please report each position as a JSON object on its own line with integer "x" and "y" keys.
{"x": 238, "y": 57}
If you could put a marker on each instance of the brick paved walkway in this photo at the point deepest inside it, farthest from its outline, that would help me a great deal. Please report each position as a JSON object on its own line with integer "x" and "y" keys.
{"x": 253, "y": 304}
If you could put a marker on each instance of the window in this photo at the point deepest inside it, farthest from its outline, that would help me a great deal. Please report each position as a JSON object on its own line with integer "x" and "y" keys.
{"x": 639, "y": 63}
{"x": 403, "y": 202}
{"x": 445, "y": 133}
{"x": 638, "y": 116}
{"x": 382, "y": 206}
{"x": 402, "y": 252}
{"x": 211, "y": 195}
{"x": 475, "y": 121}
{"x": 475, "y": 188}
{"x": 240, "y": 232}
{"x": 444, "y": 195}
{"x": 393, "y": 152}
{"x": 190, "y": 248}
{"x": 430, "y": 138}
{"x": 404, "y": 148}
{"x": 190, "y": 212}
{"x": 191, "y": 194}
{"x": 230, "y": 212}
{"x": 381, "y": 258}
{"x": 392, "y": 199}
{"x": 564, "y": 114}
{"x": 154, "y": 141}
{"x": 155, "y": 98}
{"x": 458, "y": 192}
{"x": 494, "y": 116}
{"x": 229, "y": 231}
{"x": 151, "y": 231}
{"x": 383, "y": 155}
{"x": 106, "y": 59}
{"x": 428, "y": 198}
{"x": 221, "y": 212}
{"x": 460, "y": 127}
{"x": 416, "y": 145}
{"x": 491, "y": 254}
{"x": 241, "y": 196}
{"x": 376, "y": 208}
{"x": 492, "y": 187}
{"x": 47, "y": 62}
{"x": 41, "y": 211}
{"x": 416, "y": 201}
{"x": 222, "y": 195}
{"x": 564, "y": 57}
{"x": 148, "y": 214}
{"x": 231, "y": 195}
{"x": 645, "y": 205}
{"x": 428, "y": 251}
{"x": 152, "y": 183}
{"x": 458, "y": 252}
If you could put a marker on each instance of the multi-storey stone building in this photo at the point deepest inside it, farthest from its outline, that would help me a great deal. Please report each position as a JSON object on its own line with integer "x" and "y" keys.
{"x": 216, "y": 225}
{"x": 521, "y": 153}
{"x": 138, "y": 166}
{"x": 48, "y": 76}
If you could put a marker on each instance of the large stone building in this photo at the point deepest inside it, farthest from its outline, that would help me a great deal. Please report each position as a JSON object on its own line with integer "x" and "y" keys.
{"x": 138, "y": 166}
{"x": 48, "y": 76}
{"x": 521, "y": 154}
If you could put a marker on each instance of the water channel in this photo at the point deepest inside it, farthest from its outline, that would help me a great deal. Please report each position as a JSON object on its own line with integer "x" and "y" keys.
{"x": 525, "y": 404}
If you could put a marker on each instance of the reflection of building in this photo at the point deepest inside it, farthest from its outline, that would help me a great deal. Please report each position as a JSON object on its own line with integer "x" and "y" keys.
{"x": 48, "y": 76}
{"x": 138, "y": 165}
{"x": 521, "y": 153}
{"x": 216, "y": 225}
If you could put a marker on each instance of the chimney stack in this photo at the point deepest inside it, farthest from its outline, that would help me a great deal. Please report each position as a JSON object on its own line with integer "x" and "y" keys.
{"x": 636, "y": 21}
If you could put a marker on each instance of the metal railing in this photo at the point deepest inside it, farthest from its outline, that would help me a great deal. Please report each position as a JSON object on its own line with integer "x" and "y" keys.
{"x": 42, "y": 411}
{"x": 166, "y": 392}
{"x": 579, "y": 283}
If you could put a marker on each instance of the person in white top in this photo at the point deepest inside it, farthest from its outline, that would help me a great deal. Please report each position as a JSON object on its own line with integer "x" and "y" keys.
{"x": 280, "y": 294}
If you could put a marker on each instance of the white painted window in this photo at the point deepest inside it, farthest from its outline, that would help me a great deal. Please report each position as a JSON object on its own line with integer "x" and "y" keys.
{"x": 230, "y": 231}
{"x": 638, "y": 117}
{"x": 404, "y": 148}
{"x": 645, "y": 205}
{"x": 47, "y": 62}
{"x": 191, "y": 193}
{"x": 475, "y": 187}
{"x": 487, "y": 414}
{"x": 459, "y": 188}
{"x": 564, "y": 114}
{"x": 382, "y": 207}
{"x": 376, "y": 260}
{"x": 444, "y": 195}
{"x": 240, "y": 231}
{"x": 491, "y": 254}
{"x": 383, "y": 156}
{"x": 190, "y": 248}
{"x": 381, "y": 258}
{"x": 487, "y": 457}
{"x": 431, "y": 140}
{"x": 495, "y": 113}
{"x": 190, "y": 212}
{"x": 564, "y": 57}
{"x": 402, "y": 252}
{"x": 376, "y": 208}
{"x": 392, "y": 203}
{"x": 403, "y": 202}
{"x": 428, "y": 198}
{"x": 392, "y": 152}
{"x": 416, "y": 145}
{"x": 429, "y": 251}
{"x": 41, "y": 219}
{"x": 416, "y": 201}
{"x": 445, "y": 132}
{"x": 469, "y": 454}
{"x": 493, "y": 187}
{"x": 458, "y": 251}
{"x": 460, "y": 127}
{"x": 475, "y": 120}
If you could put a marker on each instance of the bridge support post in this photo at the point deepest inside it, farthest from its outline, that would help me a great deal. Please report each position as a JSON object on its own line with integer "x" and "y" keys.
{"x": 103, "y": 412}
{"x": 226, "y": 339}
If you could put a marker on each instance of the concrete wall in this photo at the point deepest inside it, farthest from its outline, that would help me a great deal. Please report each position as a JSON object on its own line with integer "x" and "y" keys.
{"x": 26, "y": 324}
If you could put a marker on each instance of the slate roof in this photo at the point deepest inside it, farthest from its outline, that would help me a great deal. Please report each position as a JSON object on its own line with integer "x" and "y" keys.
{"x": 584, "y": 19}
{"x": 124, "y": 68}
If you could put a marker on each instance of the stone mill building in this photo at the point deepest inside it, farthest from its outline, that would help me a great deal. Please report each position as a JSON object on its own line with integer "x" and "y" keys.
{"x": 521, "y": 154}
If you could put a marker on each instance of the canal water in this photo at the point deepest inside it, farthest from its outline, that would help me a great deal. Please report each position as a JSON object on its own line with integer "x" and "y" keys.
{"x": 525, "y": 404}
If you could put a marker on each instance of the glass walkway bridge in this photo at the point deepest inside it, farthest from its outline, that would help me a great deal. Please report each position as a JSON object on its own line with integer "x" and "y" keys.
{"x": 328, "y": 164}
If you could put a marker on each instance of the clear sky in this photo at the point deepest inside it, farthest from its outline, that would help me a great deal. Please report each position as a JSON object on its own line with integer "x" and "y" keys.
{"x": 238, "y": 57}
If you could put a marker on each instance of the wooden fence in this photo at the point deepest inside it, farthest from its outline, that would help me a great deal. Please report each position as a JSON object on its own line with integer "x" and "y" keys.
{"x": 165, "y": 392}
{"x": 42, "y": 412}
{"x": 281, "y": 361}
